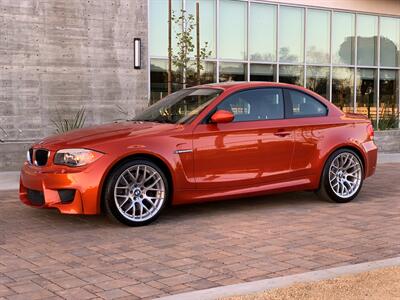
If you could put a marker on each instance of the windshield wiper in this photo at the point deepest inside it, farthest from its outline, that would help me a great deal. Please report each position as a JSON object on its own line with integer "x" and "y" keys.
{"x": 141, "y": 120}
{"x": 163, "y": 120}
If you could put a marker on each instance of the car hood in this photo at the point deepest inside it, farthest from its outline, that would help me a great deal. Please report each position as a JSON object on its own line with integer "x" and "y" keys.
{"x": 96, "y": 135}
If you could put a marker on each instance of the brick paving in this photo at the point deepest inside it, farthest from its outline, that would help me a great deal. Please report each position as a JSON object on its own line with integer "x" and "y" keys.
{"x": 47, "y": 255}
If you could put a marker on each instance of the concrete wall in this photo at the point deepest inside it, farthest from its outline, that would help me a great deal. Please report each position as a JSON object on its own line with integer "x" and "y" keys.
{"x": 388, "y": 141}
{"x": 62, "y": 54}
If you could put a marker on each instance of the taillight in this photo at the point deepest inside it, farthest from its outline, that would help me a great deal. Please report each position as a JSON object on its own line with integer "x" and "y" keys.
{"x": 370, "y": 131}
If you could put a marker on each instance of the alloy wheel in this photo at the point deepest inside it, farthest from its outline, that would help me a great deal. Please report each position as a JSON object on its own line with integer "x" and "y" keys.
{"x": 345, "y": 175}
{"x": 139, "y": 193}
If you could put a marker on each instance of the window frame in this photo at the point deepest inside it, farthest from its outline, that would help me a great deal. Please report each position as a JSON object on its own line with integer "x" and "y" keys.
{"x": 207, "y": 118}
{"x": 289, "y": 104}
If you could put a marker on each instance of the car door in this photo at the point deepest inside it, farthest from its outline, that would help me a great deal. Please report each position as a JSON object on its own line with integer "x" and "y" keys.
{"x": 255, "y": 148}
{"x": 311, "y": 127}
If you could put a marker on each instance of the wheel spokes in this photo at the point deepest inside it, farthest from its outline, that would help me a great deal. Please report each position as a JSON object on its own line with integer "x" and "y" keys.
{"x": 143, "y": 186}
{"x": 131, "y": 176}
{"x": 345, "y": 174}
{"x": 126, "y": 200}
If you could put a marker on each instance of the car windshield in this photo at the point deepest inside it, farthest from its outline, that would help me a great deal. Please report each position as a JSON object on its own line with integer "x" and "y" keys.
{"x": 180, "y": 107}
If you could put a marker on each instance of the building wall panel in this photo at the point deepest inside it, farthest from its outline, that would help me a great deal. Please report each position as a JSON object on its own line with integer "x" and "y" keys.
{"x": 58, "y": 55}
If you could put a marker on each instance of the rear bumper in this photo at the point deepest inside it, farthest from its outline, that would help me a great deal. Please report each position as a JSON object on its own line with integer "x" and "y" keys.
{"x": 46, "y": 189}
{"x": 371, "y": 153}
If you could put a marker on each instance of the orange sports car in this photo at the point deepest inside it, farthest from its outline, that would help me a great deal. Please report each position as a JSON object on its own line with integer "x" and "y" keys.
{"x": 209, "y": 142}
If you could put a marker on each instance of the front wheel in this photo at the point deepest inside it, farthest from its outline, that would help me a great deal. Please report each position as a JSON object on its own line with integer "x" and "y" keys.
{"x": 136, "y": 192}
{"x": 342, "y": 177}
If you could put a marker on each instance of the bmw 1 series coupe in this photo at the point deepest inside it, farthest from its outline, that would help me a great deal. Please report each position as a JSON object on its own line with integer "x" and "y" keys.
{"x": 210, "y": 142}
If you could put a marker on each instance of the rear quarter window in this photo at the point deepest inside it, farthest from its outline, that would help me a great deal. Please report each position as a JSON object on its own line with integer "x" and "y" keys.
{"x": 302, "y": 105}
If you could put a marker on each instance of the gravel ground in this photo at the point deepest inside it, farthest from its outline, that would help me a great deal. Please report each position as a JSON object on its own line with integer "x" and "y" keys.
{"x": 377, "y": 284}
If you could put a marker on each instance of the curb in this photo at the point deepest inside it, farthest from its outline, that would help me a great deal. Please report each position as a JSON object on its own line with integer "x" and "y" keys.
{"x": 9, "y": 181}
{"x": 278, "y": 282}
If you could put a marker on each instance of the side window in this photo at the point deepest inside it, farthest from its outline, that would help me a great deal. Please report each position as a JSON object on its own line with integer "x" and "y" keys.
{"x": 254, "y": 105}
{"x": 304, "y": 105}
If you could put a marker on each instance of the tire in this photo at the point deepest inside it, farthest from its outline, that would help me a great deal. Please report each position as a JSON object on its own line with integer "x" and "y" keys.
{"x": 134, "y": 199}
{"x": 341, "y": 179}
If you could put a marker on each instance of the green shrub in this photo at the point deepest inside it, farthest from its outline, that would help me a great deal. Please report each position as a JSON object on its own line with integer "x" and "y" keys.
{"x": 77, "y": 121}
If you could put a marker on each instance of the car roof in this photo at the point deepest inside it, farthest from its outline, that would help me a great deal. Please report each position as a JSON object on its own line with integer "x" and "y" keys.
{"x": 242, "y": 85}
{"x": 247, "y": 84}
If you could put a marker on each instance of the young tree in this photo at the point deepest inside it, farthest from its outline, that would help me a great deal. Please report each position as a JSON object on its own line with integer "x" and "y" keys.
{"x": 185, "y": 59}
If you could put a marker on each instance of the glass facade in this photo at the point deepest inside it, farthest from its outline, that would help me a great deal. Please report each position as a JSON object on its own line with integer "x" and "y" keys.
{"x": 388, "y": 104}
{"x": 158, "y": 10}
{"x": 208, "y": 19}
{"x": 343, "y": 38}
{"x": 233, "y": 29}
{"x": 291, "y": 34}
{"x": 350, "y": 58}
{"x": 343, "y": 88}
{"x": 318, "y": 37}
{"x": 390, "y": 42}
{"x": 230, "y": 71}
{"x": 366, "y": 93}
{"x": 158, "y": 79}
{"x": 262, "y": 72}
{"x": 367, "y": 32}
{"x": 291, "y": 74}
{"x": 317, "y": 80}
{"x": 262, "y": 32}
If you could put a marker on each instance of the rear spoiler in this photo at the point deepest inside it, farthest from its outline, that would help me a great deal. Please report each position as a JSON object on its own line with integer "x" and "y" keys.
{"x": 356, "y": 116}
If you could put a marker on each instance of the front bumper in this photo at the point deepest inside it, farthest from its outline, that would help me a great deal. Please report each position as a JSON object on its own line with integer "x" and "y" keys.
{"x": 45, "y": 187}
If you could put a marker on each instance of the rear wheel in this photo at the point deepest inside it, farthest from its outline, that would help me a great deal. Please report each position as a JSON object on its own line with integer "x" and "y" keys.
{"x": 136, "y": 193}
{"x": 342, "y": 176}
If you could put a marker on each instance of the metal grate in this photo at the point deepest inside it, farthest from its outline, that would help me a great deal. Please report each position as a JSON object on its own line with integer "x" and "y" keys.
{"x": 41, "y": 156}
{"x": 35, "y": 197}
{"x": 66, "y": 196}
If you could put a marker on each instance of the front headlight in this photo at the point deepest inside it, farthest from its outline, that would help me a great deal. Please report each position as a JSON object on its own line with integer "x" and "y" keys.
{"x": 76, "y": 157}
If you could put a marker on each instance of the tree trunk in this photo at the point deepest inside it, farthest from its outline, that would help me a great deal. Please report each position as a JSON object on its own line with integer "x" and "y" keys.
{"x": 198, "y": 40}
{"x": 169, "y": 47}
{"x": 185, "y": 52}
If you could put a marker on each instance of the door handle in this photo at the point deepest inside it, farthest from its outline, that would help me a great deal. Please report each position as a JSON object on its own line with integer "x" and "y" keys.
{"x": 282, "y": 133}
